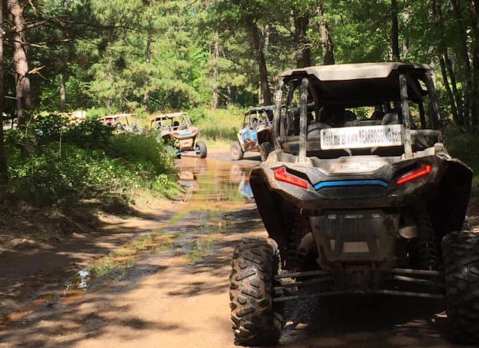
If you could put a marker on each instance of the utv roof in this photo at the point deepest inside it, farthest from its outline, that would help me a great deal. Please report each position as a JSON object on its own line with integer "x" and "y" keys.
{"x": 268, "y": 108}
{"x": 117, "y": 116}
{"x": 362, "y": 84}
{"x": 168, "y": 116}
{"x": 362, "y": 71}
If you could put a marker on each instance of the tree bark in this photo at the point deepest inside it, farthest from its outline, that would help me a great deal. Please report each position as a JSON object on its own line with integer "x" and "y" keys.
{"x": 463, "y": 53}
{"x": 23, "y": 91}
{"x": 303, "y": 45}
{"x": 396, "y": 52}
{"x": 3, "y": 155}
{"x": 63, "y": 93}
{"x": 457, "y": 95}
{"x": 216, "y": 56}
{"x": 257, "y": 43}
{"x": 326, "y": 37}
{"x": 450, "y": 95}
{"x": 474, "y": 6}
{"x": 149, "y": 39}
{"x": 447, "y": 69}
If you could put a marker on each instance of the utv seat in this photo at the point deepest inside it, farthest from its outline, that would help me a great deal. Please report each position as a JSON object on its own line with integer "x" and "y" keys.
{"x": 390, "y": 119}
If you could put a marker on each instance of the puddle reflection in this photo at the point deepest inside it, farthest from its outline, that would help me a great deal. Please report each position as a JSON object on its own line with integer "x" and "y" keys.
{"x": 213, "y": 181}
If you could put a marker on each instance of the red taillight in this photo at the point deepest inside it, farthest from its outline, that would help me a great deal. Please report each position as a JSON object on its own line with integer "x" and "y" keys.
{"x": 423, "y": 171}
{"x": 281, "y": 174}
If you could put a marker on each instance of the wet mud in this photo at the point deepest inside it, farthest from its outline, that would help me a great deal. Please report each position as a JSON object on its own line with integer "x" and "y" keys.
{"x": 178, "y": 297}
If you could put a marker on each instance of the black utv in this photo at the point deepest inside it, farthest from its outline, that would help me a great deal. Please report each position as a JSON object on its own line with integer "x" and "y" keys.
{"x": 359, "y": 196}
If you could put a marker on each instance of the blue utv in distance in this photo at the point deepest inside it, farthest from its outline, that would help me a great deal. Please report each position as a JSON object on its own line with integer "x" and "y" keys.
{"x": 255, "y": 135}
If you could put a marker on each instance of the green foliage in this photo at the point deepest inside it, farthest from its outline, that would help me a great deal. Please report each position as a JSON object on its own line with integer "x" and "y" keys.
{"x": 51, "y": 177}
{"x": 220, "y": 124}
{"x": 465, "y": 147}
{"x": 89, "y": 134}
{"x": 97, "y": 112}
{"x": 74, "y": 162}
{"x": 143, "y": 152}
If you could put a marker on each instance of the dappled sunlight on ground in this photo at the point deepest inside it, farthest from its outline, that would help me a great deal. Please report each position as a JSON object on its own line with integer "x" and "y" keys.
{"x": 178, "y": 296}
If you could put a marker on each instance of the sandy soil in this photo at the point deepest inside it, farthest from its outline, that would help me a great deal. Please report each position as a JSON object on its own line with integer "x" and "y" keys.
{"x": 172, "y": 299}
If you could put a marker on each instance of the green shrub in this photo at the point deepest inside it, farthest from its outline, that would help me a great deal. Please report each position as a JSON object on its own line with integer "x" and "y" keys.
{"x": 466, "y": 148}
{"x": 51, "y": 177}
{"x": 56, "y": 162}
{"x": 221, "y": 124}
{"x": 49, "y": 128}
{"x": 96, "y": 113}
{"x": 89, "y": 134}
{"x": 143, "y": 152}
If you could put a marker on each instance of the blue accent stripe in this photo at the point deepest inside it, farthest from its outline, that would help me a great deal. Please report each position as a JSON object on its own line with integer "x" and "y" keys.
{"x": 348, "y": 183}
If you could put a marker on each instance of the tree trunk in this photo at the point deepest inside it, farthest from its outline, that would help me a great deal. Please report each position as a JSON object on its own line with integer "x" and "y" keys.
{"x": 303, "y": 46}
{"x": 396, "y": 52}
{"x": 63, "y": 93}
{"x": 463, "y": 53}
{"x": 474, "y": 5}
{"x": 149, "y": 39}
{"x": 23, "y": 92}
{"x": 216, "y": 56}
{"x": 257, "y": 43}
{"x": 450, "y": 95}
{"x": 457, "y": 95}
{"x": 3, "y": 155}
{"x": 447, "y": 69}
{"x": 326, "y": 38}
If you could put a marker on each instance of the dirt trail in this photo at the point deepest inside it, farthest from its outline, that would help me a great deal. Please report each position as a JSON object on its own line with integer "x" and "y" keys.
{"x": 179, "y": 297}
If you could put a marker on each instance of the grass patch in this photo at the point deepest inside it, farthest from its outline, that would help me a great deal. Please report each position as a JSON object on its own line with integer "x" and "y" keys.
{"x": 117, "y": 263}
{"x": 220, "y": 125}
{"x": 200, "y": 249}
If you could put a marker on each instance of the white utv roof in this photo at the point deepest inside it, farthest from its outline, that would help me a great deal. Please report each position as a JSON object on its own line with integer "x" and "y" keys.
{"x": 361, "y": 71}
{"x": 361, "y": 84}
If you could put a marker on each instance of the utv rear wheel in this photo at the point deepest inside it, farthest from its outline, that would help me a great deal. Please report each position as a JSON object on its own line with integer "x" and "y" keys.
{"x": 461, "y": 266}
{"x": 264, "y": 150}
{"x": 256, "y": 321}
{"x": 237, "y": 152}
{"x": 201, "y": 149}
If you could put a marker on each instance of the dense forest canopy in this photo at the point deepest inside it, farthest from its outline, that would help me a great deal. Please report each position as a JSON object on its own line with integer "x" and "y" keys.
{"x": 149, "y": 55}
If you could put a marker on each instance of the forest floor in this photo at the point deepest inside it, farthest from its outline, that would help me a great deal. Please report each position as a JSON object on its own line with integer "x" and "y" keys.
{"x": 177, "y": 296}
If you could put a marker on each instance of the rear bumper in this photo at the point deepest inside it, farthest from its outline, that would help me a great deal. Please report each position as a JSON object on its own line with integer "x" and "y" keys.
{"x": 382, "y": 193}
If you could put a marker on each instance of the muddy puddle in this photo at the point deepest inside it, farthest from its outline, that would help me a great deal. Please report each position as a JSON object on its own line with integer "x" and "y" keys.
{"x": 213, "y": 191}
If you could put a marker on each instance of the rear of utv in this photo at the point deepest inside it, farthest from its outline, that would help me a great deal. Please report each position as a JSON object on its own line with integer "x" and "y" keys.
{"x": 359, "y": 196}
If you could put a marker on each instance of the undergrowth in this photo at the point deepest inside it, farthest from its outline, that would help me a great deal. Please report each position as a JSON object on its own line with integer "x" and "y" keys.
{"x": 55, "y": 162}
{"x": 466, "y": 148}
{"x": 219, "y": 125}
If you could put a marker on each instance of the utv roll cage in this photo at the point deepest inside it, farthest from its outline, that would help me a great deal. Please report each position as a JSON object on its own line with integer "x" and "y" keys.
{"x": 167, "y": 121}
{"x": 263, "y": 115}
{"x": 261, "y": 109}
{"x": 389, "y": 85}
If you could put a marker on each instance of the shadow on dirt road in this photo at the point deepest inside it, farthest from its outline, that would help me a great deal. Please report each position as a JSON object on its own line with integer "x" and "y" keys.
{"x": 179, "y": 297}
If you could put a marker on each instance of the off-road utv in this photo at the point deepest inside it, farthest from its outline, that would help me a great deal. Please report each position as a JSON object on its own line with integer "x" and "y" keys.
{"x": 121, "y": 122}
{"x": 177, "y": 130}
{"x": 359, "y": 196}
{"x": 256, "y": 134}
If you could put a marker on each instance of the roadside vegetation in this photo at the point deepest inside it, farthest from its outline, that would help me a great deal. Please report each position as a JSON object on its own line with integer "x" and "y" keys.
{"x": 466, "y": 148}
{"x": 219, "y": 127}
{"x": 59, "y": 163}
